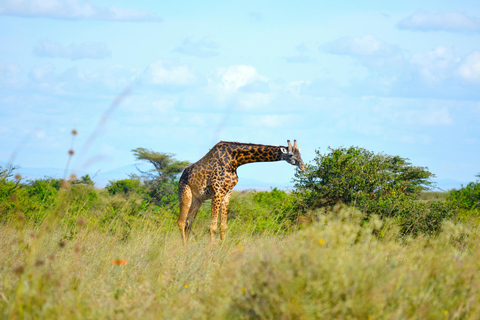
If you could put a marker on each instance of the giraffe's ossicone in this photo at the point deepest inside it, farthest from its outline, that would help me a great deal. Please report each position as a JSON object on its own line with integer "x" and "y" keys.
{"x": 215, "y": 175}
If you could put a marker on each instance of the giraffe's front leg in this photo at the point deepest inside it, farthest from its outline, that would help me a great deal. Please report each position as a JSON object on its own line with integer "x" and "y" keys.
{"x": 216, "y": 204}
{"x": 223, "y": 223}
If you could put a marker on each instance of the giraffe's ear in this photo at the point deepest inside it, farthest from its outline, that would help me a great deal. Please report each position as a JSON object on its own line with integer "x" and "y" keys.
{"x": 283, "y": 150}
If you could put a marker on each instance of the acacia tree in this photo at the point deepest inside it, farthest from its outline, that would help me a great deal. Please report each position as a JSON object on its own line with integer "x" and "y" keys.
{"x": 375, "y": 183}
{"x": 161, "y": 180}
{"x": 166, "y": 167}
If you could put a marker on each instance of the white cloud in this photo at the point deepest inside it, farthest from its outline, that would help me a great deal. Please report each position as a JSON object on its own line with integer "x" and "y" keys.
{"x": 72, "y": 10}
{"x": 445, "y": 21}
{"x": 203, "y": 48}
{"x": 439, "y": 72}
{"x": 469, "y": 70}
{"x": 241, "y": 86}
{"x": 10, "y": 73}
{"x": 80, "y": 81}
{"x": 87, "y": 50}
{"x": 302, "y": 56}
{"x": 436, "y": 65}
{"x": 165, "y": 73}
{"x": 40, "y": 134}
{"x": 234, "y": 77}
{"x": 368, "y": 45}
{"x": 372, "y": 52}
{"x": 42, "y": 73}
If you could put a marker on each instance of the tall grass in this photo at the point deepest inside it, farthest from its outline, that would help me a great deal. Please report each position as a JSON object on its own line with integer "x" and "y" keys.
{"x": 87, "y": 260}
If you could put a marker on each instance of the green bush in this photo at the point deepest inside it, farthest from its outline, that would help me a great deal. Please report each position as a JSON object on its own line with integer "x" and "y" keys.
{"x": 124, "y": 186}
{"x": 44, "y": 189}
{"x": 265, "y": 212}
{"x": 380, "y": 184}
{"x": 424, "y": 217}
{"x": 375, "y": 183}
{"x": 7, "y": 185}
{"x": 467, "y": 197}
{"x": 162, "y": 192}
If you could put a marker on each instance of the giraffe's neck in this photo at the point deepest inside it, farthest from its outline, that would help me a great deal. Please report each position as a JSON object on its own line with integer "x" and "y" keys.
{"x": 248, "y": 153}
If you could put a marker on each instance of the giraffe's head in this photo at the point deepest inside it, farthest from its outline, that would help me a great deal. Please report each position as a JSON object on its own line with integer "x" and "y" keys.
{"x": 292, "y": 155}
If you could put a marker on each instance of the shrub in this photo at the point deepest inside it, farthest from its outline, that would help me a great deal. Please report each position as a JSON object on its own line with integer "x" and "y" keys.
{"x": 44, "y": 188}
{"x": 161, "y": 192}
{"x": 424, "y": 217}
{"x": 85, "y": 180}
{"x": 467, "y": 197}
{"x": 124, "y": 186}
{"x": 375, "y": 183}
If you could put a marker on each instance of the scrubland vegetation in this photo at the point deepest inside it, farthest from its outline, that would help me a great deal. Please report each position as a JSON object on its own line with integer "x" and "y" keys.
{"x": 359, "y": 237}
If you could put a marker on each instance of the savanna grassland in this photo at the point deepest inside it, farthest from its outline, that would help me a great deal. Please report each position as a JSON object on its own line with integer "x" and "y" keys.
{"x": 71, "y": 251}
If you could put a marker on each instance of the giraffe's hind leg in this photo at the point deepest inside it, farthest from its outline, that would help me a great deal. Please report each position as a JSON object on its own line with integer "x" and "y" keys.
{"x": 223, "y": 220}
{"x": 185, "y": 197}
{"x": 216, "y": 205}
{"x": 192, "y": 214}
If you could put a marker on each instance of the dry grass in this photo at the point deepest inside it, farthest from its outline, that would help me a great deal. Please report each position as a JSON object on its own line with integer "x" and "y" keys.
{"x": 334, "y": 269}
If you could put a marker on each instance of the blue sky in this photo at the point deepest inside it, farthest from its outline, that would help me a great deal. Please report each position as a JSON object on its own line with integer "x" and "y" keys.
{"x": 401, "y": 78}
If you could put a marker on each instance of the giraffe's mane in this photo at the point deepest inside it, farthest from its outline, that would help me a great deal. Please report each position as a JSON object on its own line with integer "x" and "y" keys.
{"x": 243, "y": 144}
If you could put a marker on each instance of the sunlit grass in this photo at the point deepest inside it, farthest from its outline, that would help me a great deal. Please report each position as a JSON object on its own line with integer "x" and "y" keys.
{"x": 337, "y": 268}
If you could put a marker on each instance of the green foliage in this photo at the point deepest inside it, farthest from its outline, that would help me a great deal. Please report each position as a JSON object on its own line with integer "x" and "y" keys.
{"x": 85, "y": 180}
{"x": 59, "y": 238}
{"x": 7, "y": 185}
{"x": 467, "y": 197}
{"x": 161, "y": 192}
{"x": 374, "y": 183}
{"x": 165, "y": 165}
{"x": 161, "y": 183}
{"x": 432, "y": 195}
{"x": 356, "y": 175}
{"x": 44, "y": 188}
{"x": 424, "y": 217}
{"x": 124, "y": 186}
{"x": 265, "y": 212}
{"x": 333, "y": 269}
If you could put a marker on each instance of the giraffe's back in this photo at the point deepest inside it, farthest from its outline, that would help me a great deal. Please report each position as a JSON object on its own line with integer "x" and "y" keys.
{"x": 210, "y": 173}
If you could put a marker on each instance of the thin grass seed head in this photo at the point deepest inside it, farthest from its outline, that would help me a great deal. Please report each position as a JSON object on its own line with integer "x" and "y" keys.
{"x": 19, "y": 270}
{"x": 81, "y": 222}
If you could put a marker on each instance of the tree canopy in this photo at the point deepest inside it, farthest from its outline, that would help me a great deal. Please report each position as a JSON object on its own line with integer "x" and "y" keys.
{"x": 161, "y": 182}
{"x": 358, "y": 177}
{"x": 166, "y": 167}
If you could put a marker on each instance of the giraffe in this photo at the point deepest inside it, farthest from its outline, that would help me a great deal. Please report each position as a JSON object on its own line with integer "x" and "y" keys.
{"x": 215, "y": 175}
